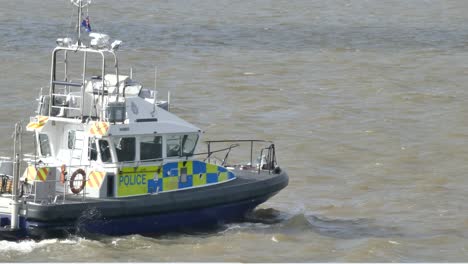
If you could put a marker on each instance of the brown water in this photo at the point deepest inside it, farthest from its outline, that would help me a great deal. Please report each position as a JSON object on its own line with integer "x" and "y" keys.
{"x": 366, "y": 101}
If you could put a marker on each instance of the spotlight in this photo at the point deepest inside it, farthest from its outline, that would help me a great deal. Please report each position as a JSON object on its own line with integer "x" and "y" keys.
{"x": 116, "y": 44}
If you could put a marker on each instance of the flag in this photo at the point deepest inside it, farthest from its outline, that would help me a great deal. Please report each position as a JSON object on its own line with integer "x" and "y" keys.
{"x": 86, "y": 24}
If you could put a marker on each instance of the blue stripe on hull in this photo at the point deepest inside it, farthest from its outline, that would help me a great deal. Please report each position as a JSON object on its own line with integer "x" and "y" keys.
{"x": 151, "y": 224}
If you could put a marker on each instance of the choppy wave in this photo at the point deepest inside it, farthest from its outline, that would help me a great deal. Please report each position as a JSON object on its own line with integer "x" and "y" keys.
{"x": 305, "y": 222}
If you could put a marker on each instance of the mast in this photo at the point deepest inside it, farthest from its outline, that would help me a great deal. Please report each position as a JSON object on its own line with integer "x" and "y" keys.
{"x": 80, "y": 5}
{"x": 80, "y": 10}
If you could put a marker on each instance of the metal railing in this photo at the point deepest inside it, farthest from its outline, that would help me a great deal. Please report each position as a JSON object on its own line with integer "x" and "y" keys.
{"x": 267, "y": 154}
{"x": 270, "y": 161}
{"x": 29, "y": 190}
{"x": 266, "y": 162}
{"x": 79, "y": 94}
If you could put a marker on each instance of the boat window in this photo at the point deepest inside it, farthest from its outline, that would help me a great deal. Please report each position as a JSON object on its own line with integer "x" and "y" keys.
{"x": 71, "y": 139}
{"x": 173, "y": 146}
{"x": 105, "y": 151}
{"x": 44, "y": 145}
{"x": 92, "y": 150}
{"x": 189, "y": 142}
{"x": 125, "y": 148}
{"x": 150, "y": 147}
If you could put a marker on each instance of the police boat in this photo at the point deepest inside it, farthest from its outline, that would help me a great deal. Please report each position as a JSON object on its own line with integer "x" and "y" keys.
{"x": 109, "y": 158}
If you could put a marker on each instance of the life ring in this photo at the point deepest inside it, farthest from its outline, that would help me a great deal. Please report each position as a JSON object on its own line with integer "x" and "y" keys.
{"x": 72, "y": 180}
{"x": 63, "y": 172}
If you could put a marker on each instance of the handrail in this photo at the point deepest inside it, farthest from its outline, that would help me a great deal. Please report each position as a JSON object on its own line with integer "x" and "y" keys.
{"x": 252, "y": 141}
{"x": 266, "y": 163}
{"x": 270, "y": 159}
{"x": 74, "y": 84}
{"x": 227, "y": 153}
{"x": 65, "y": 107}
{"x": 238, "y": 140}
{"x": 211, "y": 152}
{"x": 85, "y": 50}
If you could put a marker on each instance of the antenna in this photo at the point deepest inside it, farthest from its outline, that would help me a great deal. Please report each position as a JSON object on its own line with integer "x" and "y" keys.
{"x": 155, "y": 77}
{"x": 155, "y": 91}
{"x": 169, "y": 100}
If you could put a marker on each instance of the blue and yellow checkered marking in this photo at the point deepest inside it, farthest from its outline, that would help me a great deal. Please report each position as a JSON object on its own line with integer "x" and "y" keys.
{"x": 137, "y": 180}
{"x": 169, "y": 177}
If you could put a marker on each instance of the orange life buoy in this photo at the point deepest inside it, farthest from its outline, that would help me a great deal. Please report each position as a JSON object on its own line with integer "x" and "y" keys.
{"x": 72, "y": 180}
{"x": 63, "y": 172}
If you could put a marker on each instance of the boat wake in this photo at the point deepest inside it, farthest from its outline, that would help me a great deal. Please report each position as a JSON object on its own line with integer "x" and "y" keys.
{"x": 301, "y": 222}
{"x": 349, "y": 228}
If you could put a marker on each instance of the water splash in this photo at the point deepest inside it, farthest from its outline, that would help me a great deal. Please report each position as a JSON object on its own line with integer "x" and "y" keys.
{"x": 26, "y": 246}
{"x": 266, "y": 216}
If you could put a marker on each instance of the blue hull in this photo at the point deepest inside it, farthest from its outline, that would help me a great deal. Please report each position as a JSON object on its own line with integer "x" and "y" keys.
{"x": 191, "y": 220}
{"x": 189, "y": 210}
{"x": 177, "y": 221}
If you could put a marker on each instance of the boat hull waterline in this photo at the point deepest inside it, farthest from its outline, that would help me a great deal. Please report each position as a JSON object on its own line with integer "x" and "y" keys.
{"x": 175, "y": 212}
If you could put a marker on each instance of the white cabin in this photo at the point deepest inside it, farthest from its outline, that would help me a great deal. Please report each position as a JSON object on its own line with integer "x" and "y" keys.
{"x": 105, "y": 136}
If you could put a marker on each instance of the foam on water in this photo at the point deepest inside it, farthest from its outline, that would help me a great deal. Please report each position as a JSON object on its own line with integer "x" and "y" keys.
{"x": 26, "y": 246}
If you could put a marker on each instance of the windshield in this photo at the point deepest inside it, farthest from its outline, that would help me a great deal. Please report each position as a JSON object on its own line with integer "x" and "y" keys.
{"x": 105, "y": 151}
{"x": 174, "y": 143}
{"x": 45, "y": 145}
{"x": 125, "y": 148}
{"x": 150, "y": 148}
{"x": 189, "y": 142}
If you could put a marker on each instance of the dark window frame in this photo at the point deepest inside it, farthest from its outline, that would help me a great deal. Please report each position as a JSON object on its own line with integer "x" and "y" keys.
{"x": 105, "y": 151}
{"x": 71, "y": 139}
{"x": 46, "y": 150}
{"x": 122, "y": 149}
{"x": 156, "y": 149}
{"x": 171, "y": 151}
{"x": 92, "y": 149}
{"x": 184, "y": 140}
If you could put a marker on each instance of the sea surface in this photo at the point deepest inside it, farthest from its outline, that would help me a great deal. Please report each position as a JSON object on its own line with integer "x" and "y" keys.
{"x": 367, "y": 102}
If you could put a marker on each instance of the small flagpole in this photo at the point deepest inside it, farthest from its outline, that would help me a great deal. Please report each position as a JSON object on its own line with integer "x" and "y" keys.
{"x": 155, "y": 86}
{"x": 155, "y": 92}
{"x": 155, "y": 77}
{"x": 169, "y": 100}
